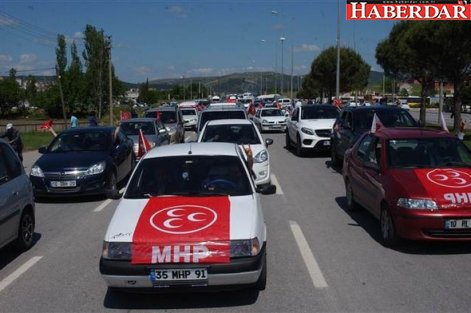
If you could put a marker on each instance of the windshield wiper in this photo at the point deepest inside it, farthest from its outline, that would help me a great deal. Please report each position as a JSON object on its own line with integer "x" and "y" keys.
{"x": 456, "y": 163}
{"x": 199, "y": 193}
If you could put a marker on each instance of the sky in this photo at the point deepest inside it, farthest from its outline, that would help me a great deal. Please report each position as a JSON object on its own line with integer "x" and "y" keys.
{"x": 175, "y": 39}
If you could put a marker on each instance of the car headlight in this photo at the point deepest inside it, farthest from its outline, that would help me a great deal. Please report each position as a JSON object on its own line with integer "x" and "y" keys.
{"x": 152, "y": 144}
{"x": 95, "y": 169}
{"x": 36, "y": 171}
{"x": 417, "y": 204}
{"x": 244, "y": 248}
{"x": 307, "y": 131}
{"x": 262, "y": 156}
{"x": 116, "y": 250}
{"x": 264, "y": 121}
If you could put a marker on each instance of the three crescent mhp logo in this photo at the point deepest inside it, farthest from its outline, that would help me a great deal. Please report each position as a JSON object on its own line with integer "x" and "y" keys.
{"x": 459, "y": 10}
{"x": 183, "y": 230}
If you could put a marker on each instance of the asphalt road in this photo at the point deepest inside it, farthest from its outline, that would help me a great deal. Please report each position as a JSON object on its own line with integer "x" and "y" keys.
{"x": 320, "y": 258}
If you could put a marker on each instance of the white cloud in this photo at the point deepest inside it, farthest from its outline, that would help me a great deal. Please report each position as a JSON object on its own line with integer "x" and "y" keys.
{"x": 78, "y": 35}
{"x": 6, "y": 21}
{"x": 300, "y": 67}
{"x": 5, "y": 58}
{"x": 306, "y": 48}
{"x": 28, "y": 58}
{"x": 201, "y": 71}
{"x": 177, "y": 11}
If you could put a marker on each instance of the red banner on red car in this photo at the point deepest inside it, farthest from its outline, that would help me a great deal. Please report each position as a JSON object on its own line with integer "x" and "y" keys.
{"x": 183, "y": 230}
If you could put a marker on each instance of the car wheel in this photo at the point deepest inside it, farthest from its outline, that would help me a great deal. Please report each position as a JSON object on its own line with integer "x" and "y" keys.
{"x": 113, "y": 184}
{"x": 334, "y": 160}
{"x": 262, "y": 280}
{"x": 25, "y": 231}
{"x": 352, "y": 205}
{"x": 288, "y": 141}
{"x": 388, "y": 231}
{"x": 299, "y": 149}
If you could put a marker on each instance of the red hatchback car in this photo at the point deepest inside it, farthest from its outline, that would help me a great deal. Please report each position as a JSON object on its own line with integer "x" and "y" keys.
{"x": 416, "y": 182}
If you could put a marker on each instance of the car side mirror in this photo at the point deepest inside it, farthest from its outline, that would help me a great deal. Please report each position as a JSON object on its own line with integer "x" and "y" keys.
{"x": 42, "y": 150}
{"x": 268, "y": 141}
{"x": 266, "y": 189}
{"x": 371, "y": 165}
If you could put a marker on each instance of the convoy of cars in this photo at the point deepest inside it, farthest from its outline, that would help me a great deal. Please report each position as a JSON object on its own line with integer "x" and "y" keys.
{"x": 191, "y": 216}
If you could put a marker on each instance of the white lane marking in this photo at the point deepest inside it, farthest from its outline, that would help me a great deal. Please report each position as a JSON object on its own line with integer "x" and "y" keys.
{"x": 20, "y": 271}
{"x": 102, "y": 205}
{"x": 311, "y": 263}
{"x": 106, "y": 202}
{"x": 275, "y": 182}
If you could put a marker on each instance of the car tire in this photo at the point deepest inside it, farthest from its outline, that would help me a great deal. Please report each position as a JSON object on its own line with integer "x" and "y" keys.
{"x": 352, "y": 205}
{"x": 262, "y": 280}
{"x": 25, "y": 231}
{"x": 113, "y": 184}
{"x": 334, "y": 159}
{"x": 389, "y": 235}
{"x": 288, "y": 141}
{"x": 299, "y": 149}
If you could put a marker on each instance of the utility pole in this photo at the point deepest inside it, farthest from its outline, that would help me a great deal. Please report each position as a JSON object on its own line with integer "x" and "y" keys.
{"x": 110, "y": 74}
{"x": 62, "y": 96}
{"x": 292, "y": 66}
{"x": 337, "y": 76}
{"x": 282, "y": 39}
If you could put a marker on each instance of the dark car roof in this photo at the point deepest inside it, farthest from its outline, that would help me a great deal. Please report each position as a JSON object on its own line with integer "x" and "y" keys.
{"x": 139, "y": 119}
{"x": 372, "y": 108}
{"x": 411, "y": 132}
{"x": 311, "y": 105}
{"x": 163, "y": 108}
{"x": 89, "y": 129}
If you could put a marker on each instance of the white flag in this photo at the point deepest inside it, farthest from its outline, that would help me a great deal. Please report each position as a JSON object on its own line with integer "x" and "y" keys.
{"x": 376, "y": 124}
{"x": 442, "y": 122}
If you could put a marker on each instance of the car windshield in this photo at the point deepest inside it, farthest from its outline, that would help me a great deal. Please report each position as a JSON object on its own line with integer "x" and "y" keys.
{"x": 221, "y": 115}
{"x": 390, "y": 118}
{"x": 81, "y": 141}
{"x": 243, "y": 134}
{"x": 318, "y": 112}
{"x": 189, "y": 176}
{"x": 132, "y": 128}
{"x": 428, "y": 152}
{"x": 188, "y": 112}
{"x": 272, "y": 112}
{"x": 166, "y": 117}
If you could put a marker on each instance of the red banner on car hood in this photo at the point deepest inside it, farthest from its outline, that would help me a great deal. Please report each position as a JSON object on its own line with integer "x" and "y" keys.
{"x": 450, "y": 187}
{"x": 183, "y": 230}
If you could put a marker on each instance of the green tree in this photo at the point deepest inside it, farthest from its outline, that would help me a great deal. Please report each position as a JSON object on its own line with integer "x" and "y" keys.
{"x": 31, "y": 91}
{"x": 10, "y": 94}
{"x": 354, "y": 71}
{"x": 61, "y": 61}
{"x": 74, "y": 88}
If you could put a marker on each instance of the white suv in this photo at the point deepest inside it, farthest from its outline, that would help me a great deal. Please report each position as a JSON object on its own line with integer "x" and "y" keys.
{"x": 310, "y": 126}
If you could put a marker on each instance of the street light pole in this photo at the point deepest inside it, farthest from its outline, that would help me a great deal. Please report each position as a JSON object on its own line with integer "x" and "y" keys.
{"x": 291, "y": 86}
{"x": 282, "y": 39}
{"x": 337, "y": 76}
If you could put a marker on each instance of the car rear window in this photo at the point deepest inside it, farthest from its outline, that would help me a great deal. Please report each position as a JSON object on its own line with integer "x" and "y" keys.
{"x": 240, "y": 134}
{"x": 272, "y": 112}
{"x": 166, "y": 117}
{"x": 132, "y": 128}
{"x": 220, "y": 115}
{"x": 390, "y": 118}
{"x": 188, "y": 112}
{"x": 189, "y": 176}
{"x": 318, "y": 112}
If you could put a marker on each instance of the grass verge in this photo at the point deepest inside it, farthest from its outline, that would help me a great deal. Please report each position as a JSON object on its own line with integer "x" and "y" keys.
{"x": 34, "y": 140}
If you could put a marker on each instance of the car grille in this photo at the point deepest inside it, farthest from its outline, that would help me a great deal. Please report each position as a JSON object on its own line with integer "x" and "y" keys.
{"x": 64, "y": 175}
{"x": 323, "y": 133}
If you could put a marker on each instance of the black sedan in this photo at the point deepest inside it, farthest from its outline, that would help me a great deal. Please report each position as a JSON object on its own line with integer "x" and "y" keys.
{"x": 83, "y": 161}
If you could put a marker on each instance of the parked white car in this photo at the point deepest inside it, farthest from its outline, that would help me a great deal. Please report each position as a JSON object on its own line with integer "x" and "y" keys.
{"x": 245, "y": 134}
{"x": 190, "y": 217}
{"x": 270, "y": 119}
{"x": 310, "y": 126}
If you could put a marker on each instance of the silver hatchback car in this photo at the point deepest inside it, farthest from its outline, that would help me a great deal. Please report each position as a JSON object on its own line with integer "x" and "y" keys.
{"x": 17, "y": 217}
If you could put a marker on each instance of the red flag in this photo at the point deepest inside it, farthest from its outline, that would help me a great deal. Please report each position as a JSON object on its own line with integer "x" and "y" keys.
{"x": 144, "y": 144}
{"x": 158, "y": 115}
{"x": 125, "y": 115}
{"x": 377, "y": 124}
{"x": 442, "y": 122}
{"x": 46, "y": 125}
{"x": 183, "y": 230}
{"x": 252, "y": 110}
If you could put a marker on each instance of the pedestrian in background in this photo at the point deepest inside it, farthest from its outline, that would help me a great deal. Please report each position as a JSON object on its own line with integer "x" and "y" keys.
{"x": 73, "y": 121}
{"x": 92, "y": 121}
{"x": 14, "y": 139}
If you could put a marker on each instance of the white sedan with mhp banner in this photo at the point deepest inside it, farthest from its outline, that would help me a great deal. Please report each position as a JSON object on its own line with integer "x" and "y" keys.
{"x": 190, "y": 217}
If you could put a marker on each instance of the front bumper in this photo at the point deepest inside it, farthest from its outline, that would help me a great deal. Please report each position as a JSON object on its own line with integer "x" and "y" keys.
{"x": 239, "y": 272}
{"x": 314, "y": 142}
{"x": 420, "y": 225}
{"x": 262, "y": 173}
{"x": 273, "y": 127}
{"x": 91, "y": 185}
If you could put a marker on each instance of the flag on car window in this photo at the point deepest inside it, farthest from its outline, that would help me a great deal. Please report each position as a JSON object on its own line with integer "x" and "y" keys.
{"x": 144, "y": 144}
{"x": 376, "y": 124}
{"x": 442, "y": 122}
